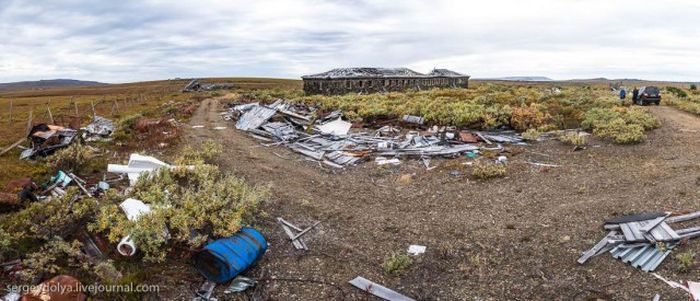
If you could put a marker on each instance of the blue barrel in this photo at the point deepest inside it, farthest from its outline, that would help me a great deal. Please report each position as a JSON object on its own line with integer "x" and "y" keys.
{"x": 225, "y": 258}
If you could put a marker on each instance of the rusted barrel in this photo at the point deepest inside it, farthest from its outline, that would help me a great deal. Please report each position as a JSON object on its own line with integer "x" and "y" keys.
{"x": 225, "y": 258}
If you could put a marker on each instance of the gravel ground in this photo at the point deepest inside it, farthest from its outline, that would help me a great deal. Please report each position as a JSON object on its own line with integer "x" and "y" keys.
{"x": 513, "y": 238}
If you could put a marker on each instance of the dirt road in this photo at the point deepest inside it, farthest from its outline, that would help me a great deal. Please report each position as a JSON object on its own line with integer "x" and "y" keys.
{"x": 515, "y": 238}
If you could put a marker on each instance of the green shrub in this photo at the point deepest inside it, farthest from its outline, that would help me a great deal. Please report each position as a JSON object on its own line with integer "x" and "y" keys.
{"x": 397, "y": 263}
{"x": 620, "y": 131}
{"x": 598, "y": 116}
{"x": 686, "y": 260}
{"x": 693, "y": 87}
{"x": 641, "y": 117}
{"x": 678, "y": 92}
{"x": 488, "y": 170}
{"x": 70, "y": 158}
{"x": 573, "y": 139}
{"x": 532, "y": 134}
{"x": 124, "y": 128}
{"x": 202, "y": 200}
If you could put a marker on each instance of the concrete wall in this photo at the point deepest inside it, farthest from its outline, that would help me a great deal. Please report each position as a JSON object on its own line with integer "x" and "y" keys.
{"x": 374, "y": 85}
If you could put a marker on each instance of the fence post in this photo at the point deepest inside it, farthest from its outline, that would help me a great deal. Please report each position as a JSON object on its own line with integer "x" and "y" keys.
{"x": 48, "y": 109}
{"x": 29, "y": 121}
{"x": 92, "y": 104}
{"x": 10, "y": 110}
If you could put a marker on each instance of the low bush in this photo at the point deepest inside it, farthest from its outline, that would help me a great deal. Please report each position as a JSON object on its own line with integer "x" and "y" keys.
{"x": 620, "y": 131}
{"x": 573, "y": 139}
{"x": 193, "y": 203}
{"x": 640, "y": 116}
{"x": 677, "y": 91}
{"x": 531, "y": 134}
{"x": 397, "y": 263}
{"x": 70, "y": 158}
{"x": 621, "y": 125}
{"x": 488, "y": 170}
{"x": 686, "y": 260}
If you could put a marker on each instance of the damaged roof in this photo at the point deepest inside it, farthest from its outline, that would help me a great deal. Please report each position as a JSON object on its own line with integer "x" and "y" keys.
{"x": 364, "y": 72}
{"x": 445, "y": 73}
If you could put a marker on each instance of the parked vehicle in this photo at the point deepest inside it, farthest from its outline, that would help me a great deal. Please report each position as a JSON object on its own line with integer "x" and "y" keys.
{"x": 648, "y": 95}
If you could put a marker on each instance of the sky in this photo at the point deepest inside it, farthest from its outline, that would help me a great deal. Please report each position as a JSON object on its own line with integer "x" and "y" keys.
{"x": 129, "y": 40}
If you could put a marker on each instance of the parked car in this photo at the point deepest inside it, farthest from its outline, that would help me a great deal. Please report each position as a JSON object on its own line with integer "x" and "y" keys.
{"x": 648, "y": 95}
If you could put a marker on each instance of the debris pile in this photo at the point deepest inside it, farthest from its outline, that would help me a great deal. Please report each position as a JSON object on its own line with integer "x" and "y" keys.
{"x": 642, "y": 240}
{"x": 99, "y": 129}
{"x": 195, "y": 86}
{"x": 46, "y": 139}
{"x": 328, "y": 139}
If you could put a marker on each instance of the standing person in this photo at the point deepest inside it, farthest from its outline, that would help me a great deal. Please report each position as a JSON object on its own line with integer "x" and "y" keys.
{"x": 623, "y": 93}
{"x": 635, "y": 95}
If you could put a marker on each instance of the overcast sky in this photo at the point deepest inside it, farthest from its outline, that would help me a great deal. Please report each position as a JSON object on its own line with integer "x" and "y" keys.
{"x": 125, "y": 40}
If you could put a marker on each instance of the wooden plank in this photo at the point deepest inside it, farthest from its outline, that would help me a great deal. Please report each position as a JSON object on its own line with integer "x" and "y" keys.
{"x": 305, "y": 230}
{"x": 670, "y": 231}
{"x": 683, "y": 218}
{"x": 627, "y": 232}
{"x": 378, "y": 290}
{"x": 12, "y": 146}
{"x": 652, "y": 223}
{"x": 298, "y": 243}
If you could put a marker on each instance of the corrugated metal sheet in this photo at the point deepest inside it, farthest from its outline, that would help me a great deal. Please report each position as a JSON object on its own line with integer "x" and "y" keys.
{"x": 646, "y": 257}
{"x": 254, "y": 118}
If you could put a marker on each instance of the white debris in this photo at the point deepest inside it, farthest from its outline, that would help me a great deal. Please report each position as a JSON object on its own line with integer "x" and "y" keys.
{"x": 416, "y": 249}
{"x": 336, "y": 127}
{"x": 384, "y": 161}
{"x": 133, "y": 209}
{"x": 138, "y": 164}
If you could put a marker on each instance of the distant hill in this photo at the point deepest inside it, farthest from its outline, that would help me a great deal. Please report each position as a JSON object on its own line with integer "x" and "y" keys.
{"x": 48, "y": 83}
{"x": 521, "y": 78}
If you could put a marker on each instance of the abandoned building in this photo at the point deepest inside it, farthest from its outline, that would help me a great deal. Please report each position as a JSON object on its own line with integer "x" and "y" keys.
{"x": 371, "y": 80}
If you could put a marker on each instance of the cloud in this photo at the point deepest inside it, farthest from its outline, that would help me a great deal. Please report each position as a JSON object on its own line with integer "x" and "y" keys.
{"x": 128, "y": 40}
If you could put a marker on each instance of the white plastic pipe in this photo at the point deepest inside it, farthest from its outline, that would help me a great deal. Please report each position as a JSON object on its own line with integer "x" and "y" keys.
{"x": 126, "y": 246}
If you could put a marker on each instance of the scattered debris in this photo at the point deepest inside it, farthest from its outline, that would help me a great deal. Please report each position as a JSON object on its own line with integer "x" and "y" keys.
{"x": 205, "y": 291}
{"x": 225, "y": 258}
{"x": 413, "y": 119}
{"x": 692, "y": 288}
{"x": 542, "y": 164}
{"x": 416, "y": 249}
{"x": 100, "y": 128}
{"x": 139, "y": 164}
{"x": 642, "y": 240}
{"x": 240, "y": 284}
{"x": 46, "y": 139}
{"x": 384, "y": 161}
{"x": 328, "y": 140}
{"x": 133, "y": 209}
{"x": 378, "y": 290}
{"x": 195, "y": 86}
{"x": 336, "y": 127}
{"x": 288, "y": 227}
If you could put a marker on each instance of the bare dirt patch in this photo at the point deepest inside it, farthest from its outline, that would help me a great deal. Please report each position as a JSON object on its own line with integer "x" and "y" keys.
{"x": 513, "y": 238}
